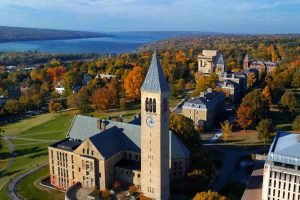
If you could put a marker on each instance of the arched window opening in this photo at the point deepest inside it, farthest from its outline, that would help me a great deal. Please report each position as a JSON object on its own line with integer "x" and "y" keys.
{"x": 154, "y": 105}
{"x": 150, "y": 109}
{"x": 147, "y": 105}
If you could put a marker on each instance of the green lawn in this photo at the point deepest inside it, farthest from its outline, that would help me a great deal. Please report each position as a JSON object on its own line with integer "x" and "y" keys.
{"x": 284, "y": 121}
{"x": 132, "y": 109}
{"x": 31, "y": 153}
{"x": 29, "y": 187}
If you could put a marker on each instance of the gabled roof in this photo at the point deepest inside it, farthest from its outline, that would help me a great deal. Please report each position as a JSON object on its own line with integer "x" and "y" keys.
{"x": 155, "y": 80}
{"x": 117, "y": 137}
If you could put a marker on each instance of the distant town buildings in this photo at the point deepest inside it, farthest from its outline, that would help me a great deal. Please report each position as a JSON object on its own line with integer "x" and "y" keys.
{"x": 282, "y": 168}
{"x": 210, "y": 61}
{"x": 108, "y": 76}
{"x": 98, "y": 152}
{"x": 260, "y": 65}
{"x": 204, "y": 109}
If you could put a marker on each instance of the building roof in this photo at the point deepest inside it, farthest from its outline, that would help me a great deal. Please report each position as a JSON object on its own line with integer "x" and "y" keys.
{"x": 118, "y": 136}
{"x": 220, "y": 60}
{"x": 227, "y": 83}
{"x": 155, "y": 80}
{"x": 285, "y": 149}
{"x": 209, "y": 98}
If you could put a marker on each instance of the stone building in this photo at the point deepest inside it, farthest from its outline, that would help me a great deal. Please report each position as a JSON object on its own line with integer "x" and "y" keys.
{"x": 210, "y": 61}
{"x": 259, "y": 65}
{"x": 231, "y": 90}
{"x": 204, "y": 109}
{"x": 98, "y": 152}
{"x": 281, "y": 179}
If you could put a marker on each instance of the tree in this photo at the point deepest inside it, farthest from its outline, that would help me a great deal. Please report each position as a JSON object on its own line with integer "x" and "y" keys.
{"x": 296, "y": 80}
{"x": 296, "y": 123}
{"x": 12, "y": 106}
{"x": 204, "y": 82}
{"x": 288, "y": 102}
{"x": 184, "y": 128}
{"x": 24, "y": 102}
{"x": 257, "y": 104}
{"x": 114, "y": 89}
{"x": 244, "y": 116}
{"x": 251, "y": 80}
{"x": 266, "y": 93}
{"x": 265, "y": 129}
{"x": 133, "y": 83}
{"x": 102, "y": 99}
{"x": 209, "y": 195}
{"x": 36, "y": 99}
{"x": 83, "y": 101}
{"x": 227, "y": 130}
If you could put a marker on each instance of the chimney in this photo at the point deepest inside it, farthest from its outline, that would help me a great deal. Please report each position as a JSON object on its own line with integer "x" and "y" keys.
{"x": 202, "y": 94}
{"x": 103, "y": 126}
{"x": 99, "y": 123}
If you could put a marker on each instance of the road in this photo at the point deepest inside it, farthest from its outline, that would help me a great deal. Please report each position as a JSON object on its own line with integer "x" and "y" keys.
{"x": 12, "y": 186}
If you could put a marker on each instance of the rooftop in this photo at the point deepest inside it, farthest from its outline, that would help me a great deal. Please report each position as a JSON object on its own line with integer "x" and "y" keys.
{"x": 117, "y": 136}
{"x": 208, "y": 99}
{"x": 155, "y": 80}
{"x": 285, "y": 149}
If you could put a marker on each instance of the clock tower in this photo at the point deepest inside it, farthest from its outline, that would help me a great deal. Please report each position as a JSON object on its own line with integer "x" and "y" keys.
{"x": 155, "y": 133}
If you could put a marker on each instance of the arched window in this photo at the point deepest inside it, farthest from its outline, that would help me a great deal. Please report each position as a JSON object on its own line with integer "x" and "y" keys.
{"x": 154, "y": 105}
{"x": 150, "y": 109}
{"x": 147, "y": 105}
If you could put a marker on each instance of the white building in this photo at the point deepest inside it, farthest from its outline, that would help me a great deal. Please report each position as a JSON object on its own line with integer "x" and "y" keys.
{"x": 60, "y": 89}
{"x": 210, "y": 61}
{"x": 282, "y": 168}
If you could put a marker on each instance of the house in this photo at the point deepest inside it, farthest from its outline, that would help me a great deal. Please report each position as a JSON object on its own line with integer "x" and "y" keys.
{"x": 60, "y": 89}
{"x": 259, "y": 65}
{"x": 97, "y": 152}
{"x": 204, "y": 109}
{"x": 210, "y": 61}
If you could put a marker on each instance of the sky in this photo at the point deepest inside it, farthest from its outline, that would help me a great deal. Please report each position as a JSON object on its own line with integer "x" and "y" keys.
{"x": 226, "y": 16}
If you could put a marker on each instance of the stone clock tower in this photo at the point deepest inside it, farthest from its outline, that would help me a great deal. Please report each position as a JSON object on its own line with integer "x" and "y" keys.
{"x": 155, "y": 133}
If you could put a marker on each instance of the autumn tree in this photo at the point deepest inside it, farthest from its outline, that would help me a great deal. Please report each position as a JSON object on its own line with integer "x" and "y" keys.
{"x": 12, "y": 106}
{"x": 184, "y": 128}
{"x": 133, "y": 83}
{"x": 257, "y": 104}
{"x": 265, "y": 129}
{"x": 226, "y": 128}
{"x": 244, "y": 116}
{"x": 204, "y": 82}
{"x": 251, "y": 80}
{"x": 288, "y": 102}
{"x": 24, "y": 102}
{"x": 114, "y": 88}
{"x": 266, "y": 93}
{"x": 209, "y": 195}
{"x": 102, "y": 99}
{"x": 296, "y": 123}
{"x": 36, "y": 99}
{"x": 296, "y": 80}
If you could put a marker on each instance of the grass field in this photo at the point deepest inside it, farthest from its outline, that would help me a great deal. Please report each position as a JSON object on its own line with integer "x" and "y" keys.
{"x": 29, "y": 187}
{"x": 32, "y": 136}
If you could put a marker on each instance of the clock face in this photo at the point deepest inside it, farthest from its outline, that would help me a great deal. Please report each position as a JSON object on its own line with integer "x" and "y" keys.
{"x": 150, "y": 121}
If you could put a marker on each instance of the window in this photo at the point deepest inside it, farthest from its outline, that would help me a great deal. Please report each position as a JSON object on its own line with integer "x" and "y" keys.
{"x": 154, "y": 105}
{"x": 150, "y": 108}
{"x": 83, "y": 150}
{"x": 88, "y": 151}
{"x": 147, "y": 105}
{"x": 92, "y": 153}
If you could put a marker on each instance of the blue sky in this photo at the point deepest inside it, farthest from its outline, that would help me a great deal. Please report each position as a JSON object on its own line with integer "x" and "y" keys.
{"x": 230, "y": 16}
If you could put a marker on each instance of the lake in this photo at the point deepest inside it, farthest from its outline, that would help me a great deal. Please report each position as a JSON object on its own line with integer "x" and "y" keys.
{"x": 117, "y": 43}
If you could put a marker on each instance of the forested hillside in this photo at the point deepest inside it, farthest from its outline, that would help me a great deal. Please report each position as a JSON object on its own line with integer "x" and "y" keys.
{"x": 8, "y": 34}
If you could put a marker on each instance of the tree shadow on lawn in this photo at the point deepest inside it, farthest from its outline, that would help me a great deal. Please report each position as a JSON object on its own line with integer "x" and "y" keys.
{"x": 21, "y": 152}
{"x": 38, "y": 155}
{"x": 4, "y": 173}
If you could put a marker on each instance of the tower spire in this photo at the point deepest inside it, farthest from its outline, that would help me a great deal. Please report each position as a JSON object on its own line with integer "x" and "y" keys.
{"x": 155, "y": 80}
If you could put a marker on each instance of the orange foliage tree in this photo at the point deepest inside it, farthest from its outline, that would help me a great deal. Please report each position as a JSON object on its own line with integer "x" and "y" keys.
{"x": 244, "y": 116}
{"x": 102, "y": 99}
{"x": 133, "y": 82}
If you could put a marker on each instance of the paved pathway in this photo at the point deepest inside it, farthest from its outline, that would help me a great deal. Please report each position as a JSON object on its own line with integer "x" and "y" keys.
{"x": 11, "y": 148}
{"x": 179, "y": 104}
{"x": 230, "y": 159}
{"x": 12, "y": 186}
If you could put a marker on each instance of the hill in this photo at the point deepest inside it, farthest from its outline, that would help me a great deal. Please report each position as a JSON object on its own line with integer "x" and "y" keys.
{"x": 11, "y": 34}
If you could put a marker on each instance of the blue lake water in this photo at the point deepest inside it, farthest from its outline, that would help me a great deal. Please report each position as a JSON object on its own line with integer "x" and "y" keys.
{"x": 118, "y": 43}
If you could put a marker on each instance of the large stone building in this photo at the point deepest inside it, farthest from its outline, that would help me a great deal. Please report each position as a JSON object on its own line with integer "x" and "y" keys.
{"x": 259, "y": 65}
{"x": 98, "y": 152}
{"x": 204, "y": 109}
{"x": 210, "y": 61}
{"x": 281, "y": 178}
